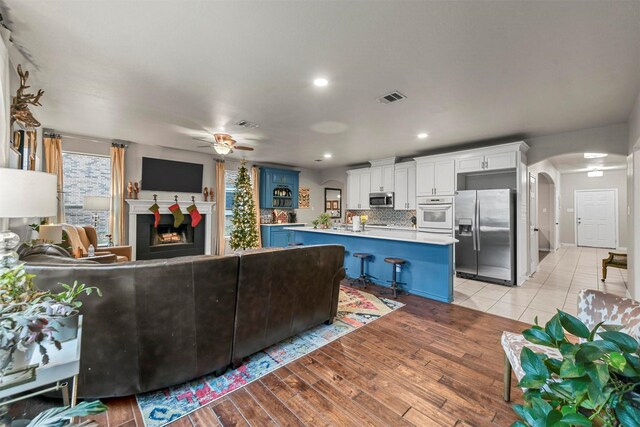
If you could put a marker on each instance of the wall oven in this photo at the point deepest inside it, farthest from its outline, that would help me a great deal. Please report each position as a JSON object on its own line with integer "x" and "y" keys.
{"x": 435, "y": 214}
{"x": 380, "y": 200}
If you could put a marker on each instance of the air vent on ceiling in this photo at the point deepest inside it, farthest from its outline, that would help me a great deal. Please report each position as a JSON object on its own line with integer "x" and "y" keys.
{"x": 392, "y": 97}
{"x": 247, "y": 124}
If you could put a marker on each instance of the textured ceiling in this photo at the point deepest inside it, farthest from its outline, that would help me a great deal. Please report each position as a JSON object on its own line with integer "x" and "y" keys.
{"x": 160, "y": 72}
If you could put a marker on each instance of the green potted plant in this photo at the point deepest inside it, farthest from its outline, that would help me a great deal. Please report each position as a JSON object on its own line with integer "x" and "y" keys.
{"x": 594, "y": 382}
{"x": 63, "y": 307}
{"x": 323, "y": 221}
{"x": 30, "y": 318}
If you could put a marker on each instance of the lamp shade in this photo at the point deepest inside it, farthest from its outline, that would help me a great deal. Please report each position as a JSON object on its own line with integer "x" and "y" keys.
{"x": 27, "y": 194}
{"x": 96, "y": 203}
{"x": 50, "y": 233}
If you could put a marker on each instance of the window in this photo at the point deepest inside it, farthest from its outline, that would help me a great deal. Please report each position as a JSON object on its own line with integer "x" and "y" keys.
{"x": 86, "y": 175}
{"x": 229, "y": 191}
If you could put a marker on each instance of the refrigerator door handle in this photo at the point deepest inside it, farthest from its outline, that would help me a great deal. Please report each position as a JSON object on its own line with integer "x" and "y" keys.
{"x": 477, "y": 245}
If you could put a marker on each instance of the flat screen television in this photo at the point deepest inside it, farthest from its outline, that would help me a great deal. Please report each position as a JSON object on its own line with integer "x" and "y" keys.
{"x": 169, "y": 175}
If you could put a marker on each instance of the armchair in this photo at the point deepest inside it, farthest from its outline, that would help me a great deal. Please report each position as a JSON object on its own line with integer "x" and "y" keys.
{"x": 84, "y": 236}
{"x": 593, "y": 307}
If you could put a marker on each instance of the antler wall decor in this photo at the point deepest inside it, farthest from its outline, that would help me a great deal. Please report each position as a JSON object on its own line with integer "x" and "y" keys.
{"x": 20, "y": 105}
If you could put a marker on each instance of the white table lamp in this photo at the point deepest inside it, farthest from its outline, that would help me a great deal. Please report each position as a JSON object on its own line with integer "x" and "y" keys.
{"x": 96, "y": 204}
{"x": 24, "y": 194}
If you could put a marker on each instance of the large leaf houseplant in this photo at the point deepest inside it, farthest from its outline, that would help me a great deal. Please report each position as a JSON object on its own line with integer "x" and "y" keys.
{"x": 593, "y": 382}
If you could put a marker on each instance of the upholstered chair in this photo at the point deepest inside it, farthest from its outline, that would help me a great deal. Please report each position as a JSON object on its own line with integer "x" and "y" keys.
{"x": 84, "y": 236}
{"x": 593, "y": 307}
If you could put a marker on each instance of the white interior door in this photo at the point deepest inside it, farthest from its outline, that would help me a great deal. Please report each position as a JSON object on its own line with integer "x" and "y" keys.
{"x": 533, "y": 224}
{"x": 596, "y": 213}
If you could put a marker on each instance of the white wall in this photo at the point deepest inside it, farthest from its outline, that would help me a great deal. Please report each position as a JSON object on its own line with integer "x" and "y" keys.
{"x": 612, "y": 139}
{"x": 5, "y": 98}
{"x": 579, "y": 181}
{"x": 633, "y": 210}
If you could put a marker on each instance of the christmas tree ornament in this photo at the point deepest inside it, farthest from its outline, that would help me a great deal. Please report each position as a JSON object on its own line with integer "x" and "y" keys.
{"x": 178, "y": 216}
{"x": 196, "y": 217}
{"x": 244, "y": 234}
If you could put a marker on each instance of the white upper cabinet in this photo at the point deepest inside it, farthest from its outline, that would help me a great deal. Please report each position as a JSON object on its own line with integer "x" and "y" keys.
{"x": 493, "y": 161}
{"x": 383, "y": 175}
{"x": 405, "y": 184}
{"x": 445, "y": 178}
{"x": 435, "y": 177}
{"x": 470, "y": 164}
{"x": 358, "y": 188}
{"x": 500, "y": 161}
{"x": 425, "y": 178}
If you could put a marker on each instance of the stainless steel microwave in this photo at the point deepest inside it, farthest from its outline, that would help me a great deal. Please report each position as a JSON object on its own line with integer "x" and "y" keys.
{"x": 380, "y": 200}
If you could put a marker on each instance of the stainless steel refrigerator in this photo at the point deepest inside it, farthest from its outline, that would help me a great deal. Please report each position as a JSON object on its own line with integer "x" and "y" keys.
{"x": 485, "y": 227}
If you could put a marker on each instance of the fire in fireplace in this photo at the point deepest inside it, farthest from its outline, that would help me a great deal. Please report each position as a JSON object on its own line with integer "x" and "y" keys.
{"x": 168, "y": 241}
{"x": 170, "y": 235}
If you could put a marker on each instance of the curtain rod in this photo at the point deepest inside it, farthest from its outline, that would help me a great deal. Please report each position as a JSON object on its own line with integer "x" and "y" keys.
{"x": 51, "y": 132}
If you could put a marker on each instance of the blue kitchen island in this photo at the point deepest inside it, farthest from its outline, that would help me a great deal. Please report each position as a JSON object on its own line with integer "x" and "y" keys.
{"x": 429, "y": 269}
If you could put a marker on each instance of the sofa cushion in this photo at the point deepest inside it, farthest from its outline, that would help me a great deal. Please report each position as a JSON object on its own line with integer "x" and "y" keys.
{"x": 283, "y": 292}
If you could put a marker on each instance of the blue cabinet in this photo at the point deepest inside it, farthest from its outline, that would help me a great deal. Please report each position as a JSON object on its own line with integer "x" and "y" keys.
{"x": 278, "y": 188}
{"x": 275, "y": 236}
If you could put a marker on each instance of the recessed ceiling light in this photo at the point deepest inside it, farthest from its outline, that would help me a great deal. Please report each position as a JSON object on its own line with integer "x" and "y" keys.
{"x": 423, "y": 135}
{"x": 596, "y": 173}
{"x": 328, "y": 155}
{"x": 594, "y": 155}
{"x": 320, "y": 82}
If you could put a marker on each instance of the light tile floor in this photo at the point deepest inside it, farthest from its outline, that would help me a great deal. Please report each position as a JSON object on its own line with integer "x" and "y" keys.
{"x": 555, "y": 285}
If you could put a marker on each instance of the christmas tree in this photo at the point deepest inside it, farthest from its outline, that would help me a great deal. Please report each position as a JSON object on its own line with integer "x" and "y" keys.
{"x": 244, "y": 234}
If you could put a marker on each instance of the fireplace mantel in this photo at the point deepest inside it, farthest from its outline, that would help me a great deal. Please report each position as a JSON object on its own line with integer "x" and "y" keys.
{"x": 141, "y": 207}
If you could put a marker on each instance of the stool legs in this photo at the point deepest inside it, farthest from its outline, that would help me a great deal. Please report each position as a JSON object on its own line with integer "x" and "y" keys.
{"x": 362, "y": 279}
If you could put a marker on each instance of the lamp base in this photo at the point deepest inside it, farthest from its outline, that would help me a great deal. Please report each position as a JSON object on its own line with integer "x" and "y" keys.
{"x": 8, "y": 241}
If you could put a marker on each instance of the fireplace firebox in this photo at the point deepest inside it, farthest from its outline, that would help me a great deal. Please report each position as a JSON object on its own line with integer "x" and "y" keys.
{"x": 168, "y": 241}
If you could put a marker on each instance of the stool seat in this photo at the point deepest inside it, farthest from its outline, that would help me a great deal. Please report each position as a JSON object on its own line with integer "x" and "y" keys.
{"x": 392, "y": 260}
{"x": 362, "y": 255}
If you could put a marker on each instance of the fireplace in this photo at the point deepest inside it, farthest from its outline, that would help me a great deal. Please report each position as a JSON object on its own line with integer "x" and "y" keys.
{"x": 168, "y": 241}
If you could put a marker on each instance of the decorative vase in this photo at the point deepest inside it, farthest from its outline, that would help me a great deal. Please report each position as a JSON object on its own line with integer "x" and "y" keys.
{"x": 66, "y": 327}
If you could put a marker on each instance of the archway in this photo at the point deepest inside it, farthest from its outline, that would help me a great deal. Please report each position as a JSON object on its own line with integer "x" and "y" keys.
{"x": 546, "y": 215}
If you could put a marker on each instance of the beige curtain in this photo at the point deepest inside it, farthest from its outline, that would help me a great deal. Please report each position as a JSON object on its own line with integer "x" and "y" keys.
{"x": 219, "y": 199}
{"x": 53, "y": 164}
{"x": 255, "y": 178}
{"x": 116, "y": 211}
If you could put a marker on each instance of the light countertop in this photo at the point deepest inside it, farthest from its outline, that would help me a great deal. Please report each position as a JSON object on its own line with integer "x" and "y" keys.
{"x": 385, "y": 234}
{"x": 287, "y": 224}
{"x": 391, "y": 227}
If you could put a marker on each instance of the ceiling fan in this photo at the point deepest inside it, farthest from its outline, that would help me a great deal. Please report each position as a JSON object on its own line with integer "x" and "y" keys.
{"x": 223, "y": 143}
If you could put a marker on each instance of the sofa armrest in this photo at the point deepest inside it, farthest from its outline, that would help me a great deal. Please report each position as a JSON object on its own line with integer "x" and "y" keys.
{"x": 117, "y": 250}
{"x": 596, "y": 306}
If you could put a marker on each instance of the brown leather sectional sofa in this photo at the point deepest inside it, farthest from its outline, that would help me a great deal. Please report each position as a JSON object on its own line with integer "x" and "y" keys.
{"x": 164, "y": 322}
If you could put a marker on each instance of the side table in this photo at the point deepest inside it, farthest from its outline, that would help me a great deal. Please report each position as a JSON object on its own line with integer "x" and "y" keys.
{"x": 63, "y": 364}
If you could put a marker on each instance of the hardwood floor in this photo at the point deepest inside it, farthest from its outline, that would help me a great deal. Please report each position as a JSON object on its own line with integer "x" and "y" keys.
{"x": 427, "y": 364}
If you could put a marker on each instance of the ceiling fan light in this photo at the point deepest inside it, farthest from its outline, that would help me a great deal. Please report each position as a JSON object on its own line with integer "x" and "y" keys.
{"x": 596, "y": 173}
{"x": 222, "y": 149}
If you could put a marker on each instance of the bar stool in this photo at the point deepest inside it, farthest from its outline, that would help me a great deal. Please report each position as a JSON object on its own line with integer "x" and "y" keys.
{"x": 395, "y": 289}
{"x": 295, "y": 244}
{"x": 363, "y": 279}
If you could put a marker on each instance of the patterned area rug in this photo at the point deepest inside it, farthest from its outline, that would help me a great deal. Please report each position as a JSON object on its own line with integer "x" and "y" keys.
{"x": 355, "y": 309}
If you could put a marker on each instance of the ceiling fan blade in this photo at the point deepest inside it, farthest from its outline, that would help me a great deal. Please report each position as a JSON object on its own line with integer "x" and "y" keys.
{"x": 242, "y": 147}
{"x": 204, "y": 146}
{"x": 197, "y": 138}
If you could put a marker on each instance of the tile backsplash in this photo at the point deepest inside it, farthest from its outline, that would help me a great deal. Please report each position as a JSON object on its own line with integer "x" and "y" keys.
{"x": 387, "y": 216}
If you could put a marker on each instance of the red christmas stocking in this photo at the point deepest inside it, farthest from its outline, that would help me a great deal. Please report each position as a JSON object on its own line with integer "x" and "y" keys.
{"x": 154, "y": 208}
{"x": 178, "y": 216}
{"x": 195, "y": 215}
